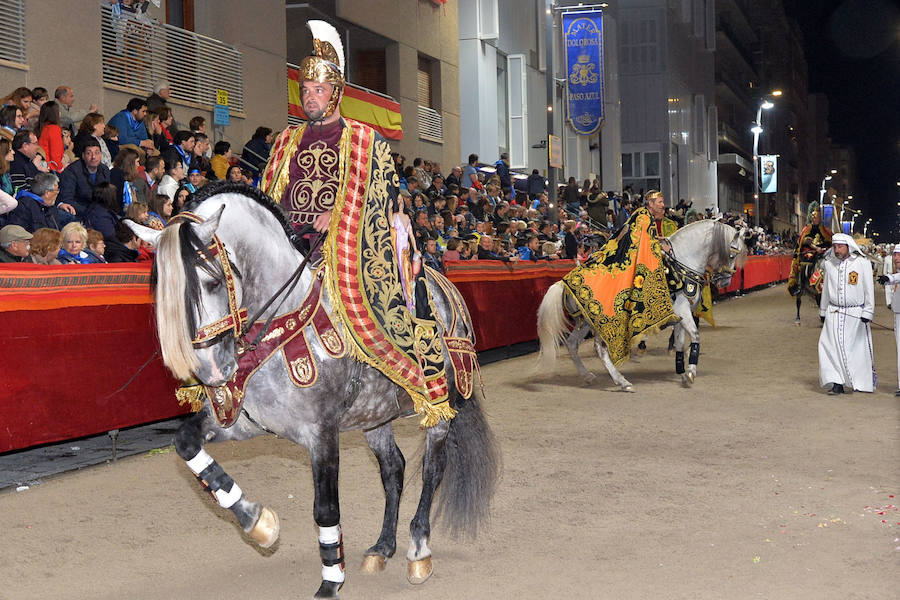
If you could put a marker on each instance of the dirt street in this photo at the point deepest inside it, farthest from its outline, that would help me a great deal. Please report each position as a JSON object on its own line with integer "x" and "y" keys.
{"x": 751, "y": 484}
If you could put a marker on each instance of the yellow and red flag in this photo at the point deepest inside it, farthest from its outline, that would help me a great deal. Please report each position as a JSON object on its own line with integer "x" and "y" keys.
{"x": 382, "y": 113}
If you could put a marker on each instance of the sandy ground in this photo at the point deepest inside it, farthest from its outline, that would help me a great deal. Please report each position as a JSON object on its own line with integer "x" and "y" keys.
{"x": 752, "y": 484}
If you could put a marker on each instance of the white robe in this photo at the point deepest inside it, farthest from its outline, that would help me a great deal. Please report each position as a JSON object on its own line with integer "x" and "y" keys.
{"x": 893, "y": 288}
{"x": 845, "y": 345}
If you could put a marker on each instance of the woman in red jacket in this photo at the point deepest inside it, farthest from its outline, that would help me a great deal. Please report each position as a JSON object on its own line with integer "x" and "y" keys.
{"x": 50, "y": 135}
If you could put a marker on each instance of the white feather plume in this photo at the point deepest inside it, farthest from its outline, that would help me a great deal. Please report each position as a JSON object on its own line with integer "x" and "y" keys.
{"x": 325, "y": 32}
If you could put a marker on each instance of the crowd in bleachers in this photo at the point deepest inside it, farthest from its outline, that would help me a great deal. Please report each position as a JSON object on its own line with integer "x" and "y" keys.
{"x": 59, "y": 166}
{"x": 80, "y": 174}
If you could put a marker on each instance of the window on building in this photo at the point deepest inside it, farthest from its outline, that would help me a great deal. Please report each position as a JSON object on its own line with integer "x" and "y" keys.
{"x": 423, "y": 83}
{"x": 518, "y": 111}
{"x": 180, "y": 13}
{"x": 502, "y": 104}
{"x": 639, "y": 46}
{"x": 627, "y": 170}
{"x": 371, "y": 69}
{"x": 651, "y": 164}
{"x": 12, "y": 40}
{"x": 431, "y": 127}
{"x": 700, "y": 124}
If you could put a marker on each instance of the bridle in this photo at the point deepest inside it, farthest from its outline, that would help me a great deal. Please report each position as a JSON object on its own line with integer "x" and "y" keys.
{"x": 718, "y": 277}
{"x": 236, "y": 321}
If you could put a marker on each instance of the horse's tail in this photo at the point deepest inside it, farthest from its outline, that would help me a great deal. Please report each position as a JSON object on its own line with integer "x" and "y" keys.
{"x": 472, "y": 470}
{"x": 552, "y": 327}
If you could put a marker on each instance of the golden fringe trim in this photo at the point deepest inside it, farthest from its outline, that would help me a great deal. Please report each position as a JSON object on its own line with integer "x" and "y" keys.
{"x": 652, "y": 330}
{"x": 192, "y": 394}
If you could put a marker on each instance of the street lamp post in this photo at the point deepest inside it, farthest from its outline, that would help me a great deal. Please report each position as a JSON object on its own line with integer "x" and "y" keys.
{"x": 757, "y": 129}
{"x": 866, "y": 227}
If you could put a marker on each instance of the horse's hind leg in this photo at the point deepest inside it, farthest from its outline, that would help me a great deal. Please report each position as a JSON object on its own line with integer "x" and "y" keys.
{"x": 687, "y": 326}
{"x": 797, "y": 320}
{"x": 259, "y": 522}
{"x": 617, "y": 377}
{"x": 391, "y": 464}
{"x": 433, "y": 464}
{"x": 573, "y": 341}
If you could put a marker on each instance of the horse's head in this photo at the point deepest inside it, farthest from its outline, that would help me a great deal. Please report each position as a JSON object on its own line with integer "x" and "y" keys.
{"x": 728, "y": 253}
{"x": 198, "y": 296}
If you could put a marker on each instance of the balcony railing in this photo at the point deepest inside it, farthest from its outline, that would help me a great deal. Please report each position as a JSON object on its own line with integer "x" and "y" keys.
{"x": 431, "y": 126}
{"x": 138, "y": 53}
{"x": 12, "y": 26}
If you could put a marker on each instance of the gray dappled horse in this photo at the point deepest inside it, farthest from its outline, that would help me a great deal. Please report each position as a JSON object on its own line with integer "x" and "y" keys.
{"x": 696, "y": 247}
{"x": 235, "y": 255}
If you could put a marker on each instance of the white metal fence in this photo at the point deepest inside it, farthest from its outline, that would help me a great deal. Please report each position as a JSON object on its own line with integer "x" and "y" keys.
{"x": 12, "y": 31}
{"x": 138, "y": 53}
{"x": 431, "y": 127}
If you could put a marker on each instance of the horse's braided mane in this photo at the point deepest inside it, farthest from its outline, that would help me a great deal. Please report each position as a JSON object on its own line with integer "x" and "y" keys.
{"x": 231, "y": 187}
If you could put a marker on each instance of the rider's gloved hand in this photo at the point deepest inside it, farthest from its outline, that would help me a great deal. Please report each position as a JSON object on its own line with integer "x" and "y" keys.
{"x": 883, "y": 279}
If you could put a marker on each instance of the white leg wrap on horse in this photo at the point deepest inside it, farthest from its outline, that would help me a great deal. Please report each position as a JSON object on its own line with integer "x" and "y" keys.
{"x": 227, "y": 499}
{"x": 332, "y": 551}
{"x": 200, "y": 462}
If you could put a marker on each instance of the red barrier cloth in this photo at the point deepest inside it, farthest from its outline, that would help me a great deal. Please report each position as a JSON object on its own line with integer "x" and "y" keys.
{"x": 64, "y": 368}
{"x": 763, "y": 270}
{"x": 503, "y": 298}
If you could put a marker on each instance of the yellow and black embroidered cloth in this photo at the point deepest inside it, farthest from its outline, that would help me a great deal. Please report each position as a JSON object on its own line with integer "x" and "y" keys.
{"x": 621, "y": 289}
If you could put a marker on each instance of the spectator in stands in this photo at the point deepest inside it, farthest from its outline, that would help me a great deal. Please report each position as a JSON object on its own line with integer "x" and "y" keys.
{"x": 50, "y": 136}
{"x": 452, "y": 251}
{"x": 26, "y": 162}
{"x": 421, "y": 174}
{"x": 255, "y": 154}
{"x": 154, "y": 169}
{"x": 159, "y": 97}
{"x": 11, "y": 121}
{"x": 6, "y": 157}
{"x": 197, "y": 125}
{"x": 45, "y": 247}
{"x": 235, "y": 174}
{"x": 38, "y": 206}
{"x": 166, "y": 123}
{"x": 96, "y": 246}
{"x": 102, "y": 213}
{"x": 486, "y": 251}
{"x": 139, "y": 212}
{"x": 174, "y": 174}
{"x": 221, "y": 159}
{"x": 199, "y": 160}
{"x": 454, "y": 178}
{"x": 436, "y": 189}
{"x": 111, "y": 137}
{"x": 570, "y": 242}
{"x": 531, "y": 250}
{"x": 93, "y": 126}
{"x": 78, "y": 180}
{"x": 536, "y": 185}
{"x": 160, "y": 211}
{"x": 123, "y": 175}
{"x": 182, "y": 148}
{"x": 182, "y": 197}
{"x": 20, "y": 97}
{"x": 431, "y": 257}
{"x": 67, "y": 117}
{"x": 15, "y": 244}
{"x": 570, "y": 197}
{"x": 502, "y": 166}
{"x": 123, "y": 247}
{"x": 39, "y": 96}
{"x": 130, "y": 123}
{"x": 74, "y": 240}
{"x": 470, "y": 174}
{"x": 154, "y": 130}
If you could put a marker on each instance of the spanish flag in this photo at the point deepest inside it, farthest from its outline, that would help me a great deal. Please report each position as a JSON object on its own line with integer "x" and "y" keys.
{"x": 381, "y": 113}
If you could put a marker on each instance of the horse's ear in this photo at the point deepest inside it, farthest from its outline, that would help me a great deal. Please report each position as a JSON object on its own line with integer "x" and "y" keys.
{"x": 151, "y": 236}
{"x": 207, "y": 229}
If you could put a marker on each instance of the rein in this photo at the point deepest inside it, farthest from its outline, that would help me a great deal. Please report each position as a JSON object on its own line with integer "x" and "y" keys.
{"x": 237, "y": 321}
{"x": 719, "y": 274}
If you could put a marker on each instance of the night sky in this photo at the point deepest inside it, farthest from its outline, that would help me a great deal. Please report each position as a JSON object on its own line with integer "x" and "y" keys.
{"x": 853, "y": 52}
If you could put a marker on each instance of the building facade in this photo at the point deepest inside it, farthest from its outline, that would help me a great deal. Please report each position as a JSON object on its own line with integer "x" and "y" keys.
{"x": 667, "y": 88}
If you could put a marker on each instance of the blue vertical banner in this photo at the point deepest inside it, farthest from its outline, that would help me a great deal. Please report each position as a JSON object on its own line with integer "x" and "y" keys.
{"x": 583, "y": 38}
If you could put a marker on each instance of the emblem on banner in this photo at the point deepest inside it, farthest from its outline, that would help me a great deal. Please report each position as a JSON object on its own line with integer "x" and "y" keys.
{"x": 583, "y": 71}
{"x": 854, "y": 278}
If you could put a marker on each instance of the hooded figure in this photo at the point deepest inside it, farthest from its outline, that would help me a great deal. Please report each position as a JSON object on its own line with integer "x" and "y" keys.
{"x": 891, "y": 282}
{"x": 847, "y": 307}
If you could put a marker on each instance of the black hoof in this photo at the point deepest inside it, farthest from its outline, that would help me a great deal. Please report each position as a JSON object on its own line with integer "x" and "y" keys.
{"x": 836, "y": 389}
{"x": 328, "y": 589}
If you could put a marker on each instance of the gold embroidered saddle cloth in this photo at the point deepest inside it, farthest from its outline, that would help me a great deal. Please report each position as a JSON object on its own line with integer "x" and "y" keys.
{"x": 286, "y": 336}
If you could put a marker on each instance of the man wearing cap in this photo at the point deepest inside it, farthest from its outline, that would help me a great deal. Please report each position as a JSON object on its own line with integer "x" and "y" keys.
{"x": 15, "y": 244}
{"x": 891, "y": 282}
{"x": 848, "y": 305}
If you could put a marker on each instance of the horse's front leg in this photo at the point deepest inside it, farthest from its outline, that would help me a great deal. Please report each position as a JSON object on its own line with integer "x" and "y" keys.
{"x": 573, "y": 341}
{"x": 433, "y": 464}
{"x": 617, "y": 377}
{"x": 259, "y": 522}
{"x": 391, "y": 464}
{"x": 688, "y": 327}
{"x": 324, "y": 454}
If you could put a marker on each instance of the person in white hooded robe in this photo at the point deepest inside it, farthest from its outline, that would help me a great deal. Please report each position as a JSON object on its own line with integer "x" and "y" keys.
{"x": 847, "y": 307}
{"x": 891, "y": 282}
